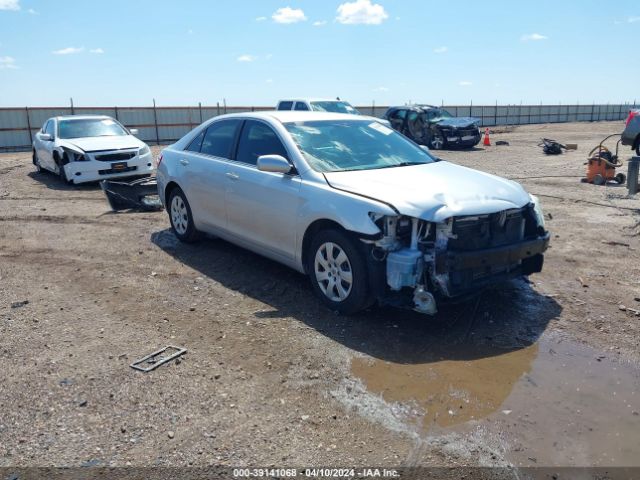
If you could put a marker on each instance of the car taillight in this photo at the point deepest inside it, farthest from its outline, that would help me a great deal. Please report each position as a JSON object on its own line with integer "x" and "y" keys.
{"x": 159, "y": 160}
{"x": 632, "y": 113}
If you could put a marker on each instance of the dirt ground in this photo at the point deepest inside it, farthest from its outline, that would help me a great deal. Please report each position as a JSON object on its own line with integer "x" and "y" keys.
{"x": 537, "y": 373}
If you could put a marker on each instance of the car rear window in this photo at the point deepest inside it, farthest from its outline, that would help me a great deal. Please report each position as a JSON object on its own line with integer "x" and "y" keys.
{"x": 285, "y": 105}
{"x": 218, "y": 140}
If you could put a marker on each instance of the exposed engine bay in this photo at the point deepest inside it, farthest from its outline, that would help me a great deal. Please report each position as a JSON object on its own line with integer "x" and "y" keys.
{"x": 424, "y": 261}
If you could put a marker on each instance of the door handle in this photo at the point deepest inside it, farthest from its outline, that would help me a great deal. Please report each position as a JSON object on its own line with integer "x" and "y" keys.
{"x": 184, "y": 162}
{"x": 233, "y": 176}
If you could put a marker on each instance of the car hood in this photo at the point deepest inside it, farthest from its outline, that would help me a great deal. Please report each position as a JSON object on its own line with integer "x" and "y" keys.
{"x": 92, "y": 144}
{"x": 434, "y": 191}
{"x": 458, "y": 122}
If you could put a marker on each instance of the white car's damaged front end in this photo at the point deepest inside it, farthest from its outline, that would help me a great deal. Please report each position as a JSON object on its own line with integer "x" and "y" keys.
{"x": 419, "y": 261}
{"x": 92, "y": 165}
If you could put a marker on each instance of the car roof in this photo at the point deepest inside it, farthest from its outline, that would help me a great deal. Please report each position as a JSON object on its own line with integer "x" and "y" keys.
{"x": 286, "y": 116}
{"x": 83, "y": 117}
{"x": 415, "y": 107}
{"x": 311, "y": 99}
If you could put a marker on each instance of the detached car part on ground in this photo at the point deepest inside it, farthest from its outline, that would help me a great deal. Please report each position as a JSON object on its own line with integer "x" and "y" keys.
{"x": 88, "y": 148}
{"x": 631, "y": 133}
{"x": 434, "y": 127}
{"x": 366, "y": 213}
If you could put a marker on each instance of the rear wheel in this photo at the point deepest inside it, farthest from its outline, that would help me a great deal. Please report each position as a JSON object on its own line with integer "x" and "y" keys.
{"x": 181, "y": 217}
{"x": 598, "y": 180}
{"x": 338, "y": 272}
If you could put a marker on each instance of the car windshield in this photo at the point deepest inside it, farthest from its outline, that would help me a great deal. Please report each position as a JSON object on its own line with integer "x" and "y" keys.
{"x": 334, "y": 107}
{"x": 98, "y": 127}
{"x": 342, "y": 145}
{"x": 439, "y": 114}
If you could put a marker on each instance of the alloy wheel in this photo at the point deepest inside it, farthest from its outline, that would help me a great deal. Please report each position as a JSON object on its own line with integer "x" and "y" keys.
{"x": 179, "y": 215}
{"x": 333, "y": 272}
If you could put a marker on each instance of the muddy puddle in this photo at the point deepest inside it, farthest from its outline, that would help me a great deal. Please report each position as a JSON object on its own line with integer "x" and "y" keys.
{"x": 551, "y": 403}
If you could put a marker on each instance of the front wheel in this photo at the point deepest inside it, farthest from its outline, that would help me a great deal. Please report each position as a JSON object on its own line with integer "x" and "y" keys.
{"x": 36, "y": 162}
{"x": 181, "y": 217}
{"x": 338, "y": 272}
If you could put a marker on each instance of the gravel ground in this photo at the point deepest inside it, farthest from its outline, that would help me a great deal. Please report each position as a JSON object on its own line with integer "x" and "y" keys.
{"x": 271, "y": 377}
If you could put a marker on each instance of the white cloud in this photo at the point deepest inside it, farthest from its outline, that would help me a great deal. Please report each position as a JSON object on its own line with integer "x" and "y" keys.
{"x": 260, "y": 19}
{"x": 268, "y": 56}
{"x": 9, "y": 4}
{"x": 465, "y": 83}
{"x": 8, "y": 63}
{"x": 440, "y": 50}
{"x": 533, "y": 37}
{"x": 68, "y": 51}
{"x": 288, "y": 15}
{"x": 380, "y": 89}
{"x": 190, "y": 31}
{"x": 246, "y": 58}
{"x": 633, "y": 19}
{"x": 269, "y": 80}
{"x": 319, "y": 23}
{"x": 361, "y": 12}
{"x": 33, "y": 12}
{"x": 99, "y": 51}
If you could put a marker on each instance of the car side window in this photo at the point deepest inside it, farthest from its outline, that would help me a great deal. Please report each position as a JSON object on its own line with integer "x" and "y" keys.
{"x": 301, "y": 106}
{"x": 258, "y": 139}
{"x": 399, "y": 114}
{"x": 219, "y": 137}
{"x": 285, "y": 105}
{"x": 196, "y": 143}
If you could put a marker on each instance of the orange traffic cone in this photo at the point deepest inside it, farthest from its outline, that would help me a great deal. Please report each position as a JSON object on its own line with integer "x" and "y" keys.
{"x": 487, "y": 141}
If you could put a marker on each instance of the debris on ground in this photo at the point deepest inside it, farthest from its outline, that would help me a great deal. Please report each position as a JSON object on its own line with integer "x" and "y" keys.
{"x": 157, "y": 358}
{"x": 141, "y": 194}
{"x": 551, "y": 147}
{"x": 19, "y": 304}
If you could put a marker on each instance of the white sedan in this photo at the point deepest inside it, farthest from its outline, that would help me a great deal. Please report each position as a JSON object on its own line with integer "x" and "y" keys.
{"x": 89, "y": 148}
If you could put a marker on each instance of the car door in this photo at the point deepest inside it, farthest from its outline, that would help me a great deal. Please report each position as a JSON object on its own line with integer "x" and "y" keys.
{"x": 203, "y": 165}
{"x": 262, "y": 206}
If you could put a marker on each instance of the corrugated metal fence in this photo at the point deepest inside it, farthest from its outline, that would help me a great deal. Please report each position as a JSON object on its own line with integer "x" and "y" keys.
{"x": 167, "y": 124}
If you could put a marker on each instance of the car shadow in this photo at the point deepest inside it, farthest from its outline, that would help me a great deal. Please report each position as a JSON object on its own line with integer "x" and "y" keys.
{"x": 503, "y": 319}
{"x": 53, "y": 181}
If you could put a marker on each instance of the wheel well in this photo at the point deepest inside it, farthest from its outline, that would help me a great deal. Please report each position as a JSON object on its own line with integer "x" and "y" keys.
{"x": 56, "y": 157}
{"x": 312, "y": 229}
{"x": 167, "y": 192}
{"x": 637, "y": 142}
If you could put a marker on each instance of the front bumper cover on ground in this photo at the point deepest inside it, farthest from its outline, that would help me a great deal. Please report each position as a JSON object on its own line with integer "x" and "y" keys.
{"x": 141, "y": 194}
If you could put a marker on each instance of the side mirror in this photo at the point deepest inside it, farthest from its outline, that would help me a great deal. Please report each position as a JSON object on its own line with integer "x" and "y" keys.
{"x": 46, "y": 137}
{"x": 134, "y": 131}
{"x": 273, "y": 163}
{"x": 425, "y": 148}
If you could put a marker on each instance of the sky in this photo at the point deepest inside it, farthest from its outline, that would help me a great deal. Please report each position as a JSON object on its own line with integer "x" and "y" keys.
{"x": 255, "y": 52}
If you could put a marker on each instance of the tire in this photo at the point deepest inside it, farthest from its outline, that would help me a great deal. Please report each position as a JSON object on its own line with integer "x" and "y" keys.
{"x": 36, "y": 162}
{"x": 333, "y": 254}
{"x": 621, "y": 178}
{"x": 598, "y": 180}
{"x": 181, "y": 217}
{"x": 61, "y": 173}
{"x": 437, "y": 141}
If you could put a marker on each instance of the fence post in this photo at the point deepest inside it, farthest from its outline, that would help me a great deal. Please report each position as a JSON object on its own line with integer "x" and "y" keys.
{"x": 482, "y": 116}
{"x": 115, "y": 109}
{"x": 200, "y": 110}
{"x": 593, "y": 105}
{"x": 373, "y": 108}
{"x": 72, "y": 109}
{"x": 495, "y": 115}
{"x": 155, "y": 120}
{"x": 470, "y": 107}
{"x": 26, "y": 109}
{"x": 224, "y": 102}
{"x": 218, "y": 108}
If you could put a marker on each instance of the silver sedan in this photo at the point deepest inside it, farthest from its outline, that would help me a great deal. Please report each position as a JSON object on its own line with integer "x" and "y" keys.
{"x": 367, "y": 214}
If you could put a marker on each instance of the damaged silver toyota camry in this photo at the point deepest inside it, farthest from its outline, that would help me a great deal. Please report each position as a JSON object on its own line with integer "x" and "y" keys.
{"x": 367, "y": 214}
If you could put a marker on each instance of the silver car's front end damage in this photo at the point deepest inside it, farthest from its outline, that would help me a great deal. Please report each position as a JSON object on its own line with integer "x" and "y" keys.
{"x": 422, "y": 261}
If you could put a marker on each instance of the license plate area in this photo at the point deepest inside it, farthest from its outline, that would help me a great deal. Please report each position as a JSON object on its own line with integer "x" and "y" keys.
{"x": 468, "y": 137}
{"x": 118, "y": 166}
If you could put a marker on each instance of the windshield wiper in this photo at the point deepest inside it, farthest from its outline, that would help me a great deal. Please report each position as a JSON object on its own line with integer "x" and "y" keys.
{"x": 402, "y": 164}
